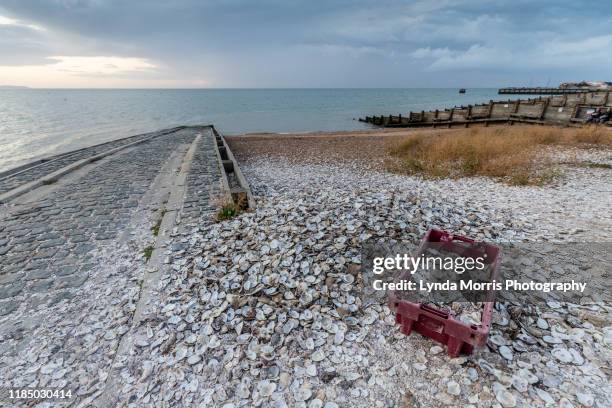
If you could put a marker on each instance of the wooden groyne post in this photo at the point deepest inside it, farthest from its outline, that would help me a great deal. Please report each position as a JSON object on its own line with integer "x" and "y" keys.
{"x": 566, "y": 109}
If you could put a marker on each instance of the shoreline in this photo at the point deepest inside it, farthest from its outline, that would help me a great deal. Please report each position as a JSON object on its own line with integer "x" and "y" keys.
{"x": 118, "y": 113}
{"x": 321, "y": 133}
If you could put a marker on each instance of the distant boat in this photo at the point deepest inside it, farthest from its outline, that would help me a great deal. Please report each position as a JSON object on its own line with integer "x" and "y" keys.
{"x": 462, "y": 90}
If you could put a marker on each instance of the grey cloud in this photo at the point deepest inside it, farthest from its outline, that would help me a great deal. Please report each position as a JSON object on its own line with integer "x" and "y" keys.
{"x": 309, "y": 43}
{"x": 22, "y": 46}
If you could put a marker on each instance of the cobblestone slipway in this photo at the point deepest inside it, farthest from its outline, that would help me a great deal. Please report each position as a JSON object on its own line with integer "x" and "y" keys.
{"x": 13, "y": 179}
{"x": 73, "y": 254}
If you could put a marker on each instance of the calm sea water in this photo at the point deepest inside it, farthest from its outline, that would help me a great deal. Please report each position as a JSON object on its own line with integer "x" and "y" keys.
{"x": 35, "y": 123}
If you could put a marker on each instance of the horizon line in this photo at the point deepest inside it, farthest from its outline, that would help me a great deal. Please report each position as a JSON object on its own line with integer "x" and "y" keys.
{"x": 17, "y": 87}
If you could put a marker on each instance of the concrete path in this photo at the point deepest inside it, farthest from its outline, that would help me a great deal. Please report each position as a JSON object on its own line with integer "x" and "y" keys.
{"x": 77, "y": 254}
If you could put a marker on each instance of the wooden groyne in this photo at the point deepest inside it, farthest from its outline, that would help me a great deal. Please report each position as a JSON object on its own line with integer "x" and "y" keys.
{"x": 542, "y": 91}
{"x": 563, "y": 109}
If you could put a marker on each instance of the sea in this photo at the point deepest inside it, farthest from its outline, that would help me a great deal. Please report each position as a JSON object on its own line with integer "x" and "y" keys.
{"x": 36, "y": 123}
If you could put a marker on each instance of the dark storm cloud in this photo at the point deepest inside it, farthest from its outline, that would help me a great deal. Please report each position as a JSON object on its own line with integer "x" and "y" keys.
{"x": 330, "y": 43}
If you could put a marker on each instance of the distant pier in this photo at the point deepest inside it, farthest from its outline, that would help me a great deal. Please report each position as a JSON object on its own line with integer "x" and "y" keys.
{"x": 541, "y": 91}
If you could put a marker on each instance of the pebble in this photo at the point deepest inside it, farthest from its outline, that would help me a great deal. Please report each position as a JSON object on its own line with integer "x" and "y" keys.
{"x": 472, "y": 374}
{"x": 311, "y": 370}
{"x": 552, "y": 340}
{"x": 266, "y": 388}
{"x": 453, "y": 388}
{"x": 242, "y": 391}
{"x": 505, "y": 398}
{"x": 506, "y": 352}
{"x": 520, "y": 383}
{"x": 318, "y": 356}
{"x": 315, "y": 403}
{"x": 585, "y": 399}
{"x": 497, "y": 339}
{"x": 545, "y": 396}
{"x": 542, "y": 323}
{"x": 563, "y": 355}
{"x": 435, "y": 350}
{"x": 576, "y": 356}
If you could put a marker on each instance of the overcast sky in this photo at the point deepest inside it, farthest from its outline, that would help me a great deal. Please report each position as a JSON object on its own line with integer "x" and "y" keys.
{"x": 303, "y": 43}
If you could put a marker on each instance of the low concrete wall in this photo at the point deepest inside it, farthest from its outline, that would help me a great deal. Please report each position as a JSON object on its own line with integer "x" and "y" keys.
{"x": 233, "y": 181}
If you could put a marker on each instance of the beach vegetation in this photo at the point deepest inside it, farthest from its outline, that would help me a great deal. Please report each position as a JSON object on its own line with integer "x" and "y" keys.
{"x": 227, "y": 211}
{"x": 592, "y": 134}
{"x": 155, "y": 228}
{"x": 518, "y": 155}
{"x": 147, "y": 252}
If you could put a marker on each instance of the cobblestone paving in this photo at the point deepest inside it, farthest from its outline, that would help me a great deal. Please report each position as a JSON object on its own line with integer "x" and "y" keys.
{"x": 44, "y": 241}
{"x": 202, "y": 183}
{"x": 11, "y": 181}
{"x": 68, "y": 283}
{"x": 196, "y": 213}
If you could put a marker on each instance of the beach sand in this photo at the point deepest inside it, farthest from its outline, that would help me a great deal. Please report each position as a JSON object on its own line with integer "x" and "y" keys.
{"x": 366, "y": 148}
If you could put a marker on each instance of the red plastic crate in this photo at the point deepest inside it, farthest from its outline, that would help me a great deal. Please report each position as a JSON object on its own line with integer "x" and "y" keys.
{"x": 441, "y": 325}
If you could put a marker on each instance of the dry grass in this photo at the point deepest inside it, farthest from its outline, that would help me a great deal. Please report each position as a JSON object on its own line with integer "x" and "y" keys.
{"x": 513, "y": 154}
{"x": 596, "y": 135}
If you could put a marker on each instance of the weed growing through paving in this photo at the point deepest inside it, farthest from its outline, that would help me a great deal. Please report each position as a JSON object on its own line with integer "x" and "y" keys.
{"x": 227, "y": 211}
{"x": 147, "y": 252}
{"x": 227, "y": 208}
{"x": 513, "y": 154}
{"x": 155, "y": 228}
